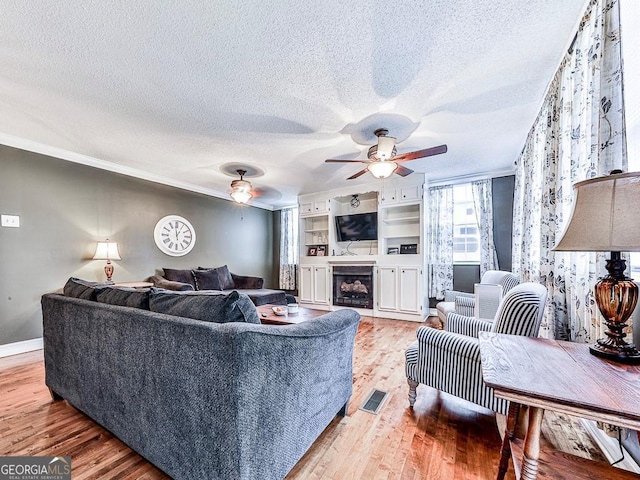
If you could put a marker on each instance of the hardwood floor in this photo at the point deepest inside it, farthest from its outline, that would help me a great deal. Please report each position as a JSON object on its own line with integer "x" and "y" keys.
{"x": 442, "y": 438}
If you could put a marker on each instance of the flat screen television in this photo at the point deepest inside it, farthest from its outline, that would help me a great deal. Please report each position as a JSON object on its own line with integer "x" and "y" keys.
{"x": 360, "y": 226}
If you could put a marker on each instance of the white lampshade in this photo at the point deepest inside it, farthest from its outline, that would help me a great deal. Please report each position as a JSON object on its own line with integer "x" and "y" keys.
{"x": 385, "y": 147}
{"x": 107, "y": 251}
{"x": 604, "y": 216}
{"x": 382, "y": 169}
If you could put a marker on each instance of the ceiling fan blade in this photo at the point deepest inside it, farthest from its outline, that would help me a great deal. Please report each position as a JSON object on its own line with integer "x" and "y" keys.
{"x": 333, "y": 160}
{"x": 427, "y": 152}
{"x": 356, "y": 175}
{"x": 403, "y": 171}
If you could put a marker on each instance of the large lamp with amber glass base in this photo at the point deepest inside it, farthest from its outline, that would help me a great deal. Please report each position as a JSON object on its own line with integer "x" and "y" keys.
{"x": 606, "y": 217}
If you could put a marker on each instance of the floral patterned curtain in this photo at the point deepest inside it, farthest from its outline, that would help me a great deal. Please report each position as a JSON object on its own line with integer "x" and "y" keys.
{"x": 289, "y": 247}
{"x": 482, "y": 195}
{"x": 578, "y": 134}
{"x": 440, "y": 241}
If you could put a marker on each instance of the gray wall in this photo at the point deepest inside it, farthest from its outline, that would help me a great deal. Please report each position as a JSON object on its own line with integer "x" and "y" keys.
{"x": 65, "y": 208}
{"x": 503, "y": 218}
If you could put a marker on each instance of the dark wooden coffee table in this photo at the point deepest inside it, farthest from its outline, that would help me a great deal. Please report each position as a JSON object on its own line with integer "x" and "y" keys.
{"x": 267, "y": 316}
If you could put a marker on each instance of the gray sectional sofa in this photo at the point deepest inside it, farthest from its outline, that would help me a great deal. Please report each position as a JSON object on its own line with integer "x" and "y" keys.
{"x": 221, "y": 280}
{"x": 197, "y": 398}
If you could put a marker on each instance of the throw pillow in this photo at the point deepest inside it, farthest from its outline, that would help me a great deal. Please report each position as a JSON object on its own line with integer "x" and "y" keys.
{"x": 224, "y": 276}
{"x": 206, "y": 279}
{"x": 125, "y": 297}
{"x": 218, "y": 308}
{"x": 162, "y": 282}
{"x": 183, "y": 276}
{"x": 78, "y": 288}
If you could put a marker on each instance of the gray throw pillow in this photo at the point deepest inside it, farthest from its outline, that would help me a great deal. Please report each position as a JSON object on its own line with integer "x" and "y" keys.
{"x": 78, "y": 288}
{"x": 224, "y": 276}
{"x": 207, "y": 279}
{"x": 183, "y": 276}
{"x": 125, "y": 297}
{"x": 218, "y": 308}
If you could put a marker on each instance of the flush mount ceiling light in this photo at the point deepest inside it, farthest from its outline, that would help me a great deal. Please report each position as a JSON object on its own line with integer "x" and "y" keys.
{"x": 241, "y": 189}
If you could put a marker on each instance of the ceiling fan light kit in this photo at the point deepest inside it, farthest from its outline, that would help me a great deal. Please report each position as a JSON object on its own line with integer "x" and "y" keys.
{"x": 241, "y": 189}
{"x": 382, "y": 169}
{"x": 382, "y": 159}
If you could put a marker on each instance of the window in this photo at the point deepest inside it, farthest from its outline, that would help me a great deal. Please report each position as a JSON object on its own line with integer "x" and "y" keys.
{"x": 466, "y": 237}
{"x": 630, "y": 35}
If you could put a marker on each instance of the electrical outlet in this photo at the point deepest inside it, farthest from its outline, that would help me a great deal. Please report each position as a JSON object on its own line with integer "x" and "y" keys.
{"x": 10, "y": 221}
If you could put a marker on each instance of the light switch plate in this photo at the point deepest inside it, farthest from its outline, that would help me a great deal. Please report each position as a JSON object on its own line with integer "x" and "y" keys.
{"x": 10, "y": 221}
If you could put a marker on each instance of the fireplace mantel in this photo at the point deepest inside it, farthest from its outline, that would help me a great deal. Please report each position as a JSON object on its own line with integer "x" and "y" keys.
{"x": 351, "y": 261}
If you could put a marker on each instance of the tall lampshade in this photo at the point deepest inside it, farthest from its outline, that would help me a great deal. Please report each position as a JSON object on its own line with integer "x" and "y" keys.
{"x": 604, "y": 218}
{"x": 382, "y": 169}
{"x": 107, "y": 251}
{"x": 241, "y": 189}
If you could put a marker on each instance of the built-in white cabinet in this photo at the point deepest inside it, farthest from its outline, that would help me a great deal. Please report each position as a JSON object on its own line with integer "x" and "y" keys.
{"x": 402, "y": 194}
{"x": 398, "y": 207}
{"x": 400, "y": 289}
{"x": 388, "y": 288}
{"x": 410, "y": 289}
{"x": 315, "y": 284}
{"x": 314, "y": 208}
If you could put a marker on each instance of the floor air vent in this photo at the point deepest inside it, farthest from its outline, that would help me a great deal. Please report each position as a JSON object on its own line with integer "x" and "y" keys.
{"x": 374, "y": 402}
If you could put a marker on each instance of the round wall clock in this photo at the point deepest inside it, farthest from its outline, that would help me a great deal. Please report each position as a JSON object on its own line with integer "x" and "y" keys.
{"x": 174, "y": 235}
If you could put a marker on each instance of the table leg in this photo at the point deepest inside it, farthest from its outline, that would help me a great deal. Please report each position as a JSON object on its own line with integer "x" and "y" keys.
{"x": 532, "y": 445}
{"x": 509, "y": 432}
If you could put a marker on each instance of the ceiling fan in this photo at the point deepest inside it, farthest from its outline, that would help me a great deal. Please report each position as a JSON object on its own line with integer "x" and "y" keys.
{"x": 382, "y": 159}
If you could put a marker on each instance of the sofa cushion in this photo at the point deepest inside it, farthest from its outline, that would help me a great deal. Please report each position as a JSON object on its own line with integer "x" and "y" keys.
{"x": 207, "y": 279}
{"x": 264, "y": 295}
{"x": 183, "y": 276}
{"x": 124, "y": 297}
{"x": 209, "y": 307}
{"x": 162, "y": 282}
{"x": 224, "y": 277}
{"x": 78, "y": 288}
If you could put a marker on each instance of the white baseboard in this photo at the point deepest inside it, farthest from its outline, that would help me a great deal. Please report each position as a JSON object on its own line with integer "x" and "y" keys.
{"x": 433, "y": 312}
{"x": 609, "y": 446}
{"x": 20, "y": 347}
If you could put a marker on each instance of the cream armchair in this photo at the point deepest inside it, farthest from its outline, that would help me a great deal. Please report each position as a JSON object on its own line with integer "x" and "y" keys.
{"x": 464, "y": 303}
{"x": 449, "y": 360}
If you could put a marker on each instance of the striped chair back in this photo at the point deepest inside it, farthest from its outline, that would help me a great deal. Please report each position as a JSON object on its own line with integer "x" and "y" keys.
{"x": 500, "y": 277}
{"x": 521, "y": 310}
{"x": 509, "y": 281}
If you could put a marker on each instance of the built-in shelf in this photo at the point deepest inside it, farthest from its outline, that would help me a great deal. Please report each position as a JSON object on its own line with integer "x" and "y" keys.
{"x": 400, "y": 220}
{"x": 311, "y": 230}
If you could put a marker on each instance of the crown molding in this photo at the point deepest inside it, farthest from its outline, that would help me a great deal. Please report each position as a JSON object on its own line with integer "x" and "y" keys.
{"x": 35, "y": 147}
{"x": 471, "y": 177}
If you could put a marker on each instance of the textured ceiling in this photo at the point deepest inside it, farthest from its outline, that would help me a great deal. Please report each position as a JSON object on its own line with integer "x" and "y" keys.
{"x": 178, "y": 91}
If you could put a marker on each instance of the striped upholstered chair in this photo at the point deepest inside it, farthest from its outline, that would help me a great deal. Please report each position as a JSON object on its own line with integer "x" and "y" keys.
{"x": 450, "y": 360}
{"x": 464, "y": 303}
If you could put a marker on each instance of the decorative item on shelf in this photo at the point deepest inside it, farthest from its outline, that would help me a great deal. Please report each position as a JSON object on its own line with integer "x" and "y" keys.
{"x": 321, "y": 251}
{"x": 408, "y": 248}
{"x": 604, "y": 219}
{"x": 355, "y": 201}
{"x": 312, "y": 251}
{"x": 241, "y": 189}
{"x": 393, "y": 251}
{"x": 107, "y": 251}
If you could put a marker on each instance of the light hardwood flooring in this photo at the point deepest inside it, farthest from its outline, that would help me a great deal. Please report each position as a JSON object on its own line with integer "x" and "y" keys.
{"x": 441, "y": 438}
